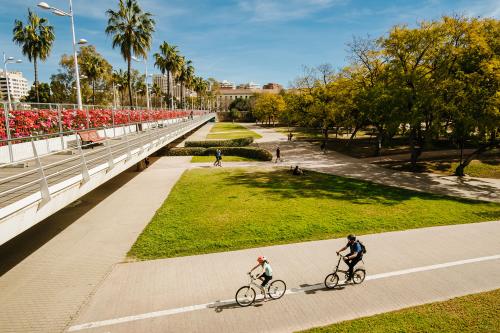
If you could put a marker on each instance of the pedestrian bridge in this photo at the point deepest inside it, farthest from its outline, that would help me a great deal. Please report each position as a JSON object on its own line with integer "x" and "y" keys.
{"x": 46, "y": 180}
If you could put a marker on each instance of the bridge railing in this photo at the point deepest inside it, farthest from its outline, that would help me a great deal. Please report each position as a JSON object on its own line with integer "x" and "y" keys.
{"x": 43, "y": 175}
{"x": 20, "y": 122}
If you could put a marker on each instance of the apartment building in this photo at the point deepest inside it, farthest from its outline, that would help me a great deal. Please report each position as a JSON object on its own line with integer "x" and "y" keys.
{"x": 18, "y": 85}
{"x": 245, "y": 91}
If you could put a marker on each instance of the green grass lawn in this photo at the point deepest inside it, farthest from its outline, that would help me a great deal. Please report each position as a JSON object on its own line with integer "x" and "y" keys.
{"x": 204, "y": 159}
{"x": 231, "y": 131}
{"x": 214, "y": 210}
{"x": 474, "y": 313}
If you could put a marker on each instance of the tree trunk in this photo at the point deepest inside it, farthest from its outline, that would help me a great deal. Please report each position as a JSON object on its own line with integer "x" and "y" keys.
{"x": 428, "y": 133}
{"x": 459, "y": 171}
{"x": 93, "y": 92}
{"x": 415, "y": 152}
{"x": 129, "y": 81}
{"x": 35, "y": 64}
{"x": 353, "y": 135}
{"x": 169, "y": 97}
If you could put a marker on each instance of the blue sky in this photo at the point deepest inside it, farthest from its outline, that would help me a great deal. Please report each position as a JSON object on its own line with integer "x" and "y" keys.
{"x": 240, "y": 40}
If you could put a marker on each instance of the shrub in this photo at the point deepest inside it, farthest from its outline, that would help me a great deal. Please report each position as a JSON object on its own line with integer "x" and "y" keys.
{"x": 240, "y": 142}
{"x": 249, "y": 152}
{"x": 185, "y": 151}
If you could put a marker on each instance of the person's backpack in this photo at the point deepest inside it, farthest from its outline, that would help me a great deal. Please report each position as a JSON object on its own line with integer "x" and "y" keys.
{"x": 363, "y": 247}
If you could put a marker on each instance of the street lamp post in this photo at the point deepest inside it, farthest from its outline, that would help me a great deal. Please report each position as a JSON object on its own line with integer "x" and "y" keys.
{"x": 69, "y": 14}
{"x": 146, "y": 79}
{"x": 8, "y": 60}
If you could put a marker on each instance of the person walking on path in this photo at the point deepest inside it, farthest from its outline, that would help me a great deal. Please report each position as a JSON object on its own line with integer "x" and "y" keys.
{"x": 218, "y": 158}
{"x": 354, "y": 256}
{"x": 278, "y": 154}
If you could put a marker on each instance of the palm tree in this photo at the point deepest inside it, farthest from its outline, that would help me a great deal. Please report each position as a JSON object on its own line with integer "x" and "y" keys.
{"x": 156, "y": 92}
{"x": 185, "y": 78}
{"x": 120, "y": 79}
{"x": 200, "y": 86}
{"x": 168, "y": 61}
{"x": 36, "y": 39}
{"x": 132, "y": 32}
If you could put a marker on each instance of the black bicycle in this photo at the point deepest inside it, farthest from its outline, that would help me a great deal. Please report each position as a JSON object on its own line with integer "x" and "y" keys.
{"x": 245, "y": 296}
{"x": 332, "y": 280}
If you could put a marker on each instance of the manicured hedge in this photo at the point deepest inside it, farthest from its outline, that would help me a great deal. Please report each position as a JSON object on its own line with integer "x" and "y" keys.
{"x": 185, "y": 151}
{"x": 240, "y": 142}
{"x": 250, "y": 152}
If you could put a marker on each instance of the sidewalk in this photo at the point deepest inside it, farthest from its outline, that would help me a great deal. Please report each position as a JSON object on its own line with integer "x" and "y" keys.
{"x": 195, "y": 294}
{"x": 200, "y": 134}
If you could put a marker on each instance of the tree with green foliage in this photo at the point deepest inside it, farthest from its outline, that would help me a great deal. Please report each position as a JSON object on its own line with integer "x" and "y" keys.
{"x": 120, "y": 81}
{"x": 40, "y": 95}
{"x": 98, "y": 72}
{"x": 35, "y": 38}
{"x": 168, "y": 61}
{"x": 268, "y": 107}
{"x": 132, "y": 31}
{"x": 185, "y": 77}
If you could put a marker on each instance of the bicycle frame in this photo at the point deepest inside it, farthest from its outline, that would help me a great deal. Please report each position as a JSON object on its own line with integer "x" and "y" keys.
{"x": 252, "y": 283}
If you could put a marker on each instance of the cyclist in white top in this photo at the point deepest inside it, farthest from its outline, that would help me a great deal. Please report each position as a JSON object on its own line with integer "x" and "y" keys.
{"x": 267, "y": 272}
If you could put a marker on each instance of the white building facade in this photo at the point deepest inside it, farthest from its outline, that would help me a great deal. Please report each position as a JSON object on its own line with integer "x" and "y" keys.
{"x": 18, "y": 86}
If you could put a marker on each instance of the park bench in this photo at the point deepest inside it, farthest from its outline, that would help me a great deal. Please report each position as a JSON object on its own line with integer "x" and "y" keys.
{"x": 90, "y": 137}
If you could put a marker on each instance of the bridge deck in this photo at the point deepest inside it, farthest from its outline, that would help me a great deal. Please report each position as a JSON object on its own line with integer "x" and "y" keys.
{"x": 77, "y": 169}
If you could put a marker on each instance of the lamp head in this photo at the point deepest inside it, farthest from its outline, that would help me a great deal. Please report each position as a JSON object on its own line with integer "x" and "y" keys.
{"x": 82, "y": 41}
{"x": 43, "y": 5}
{"x": 18, "y": 61}
{"x": 10, "y": 58}
{"x": 59, "y": 12}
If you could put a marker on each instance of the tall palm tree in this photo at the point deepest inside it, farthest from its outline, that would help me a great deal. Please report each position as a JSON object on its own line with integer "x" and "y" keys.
{"x": 185, "y": 78}
{"x": 132, "y": 31}
{"x": 167, "y": 61}
{"x": 36, "y": 39}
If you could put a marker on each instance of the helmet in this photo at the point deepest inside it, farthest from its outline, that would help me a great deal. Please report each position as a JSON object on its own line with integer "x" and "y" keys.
{"x": 351, "y": 237}
{"x": 261, "y": 259}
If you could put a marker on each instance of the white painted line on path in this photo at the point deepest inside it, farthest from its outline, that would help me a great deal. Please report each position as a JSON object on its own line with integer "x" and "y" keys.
{"x": 191, "y": 308}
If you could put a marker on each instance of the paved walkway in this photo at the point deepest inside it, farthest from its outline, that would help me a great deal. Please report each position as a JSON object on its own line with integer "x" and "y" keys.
{"x": 195, "y": 294}
{"x": 50, "y": 270}
{"x": 200, "y": 134}
{"x": 308, "y": 156}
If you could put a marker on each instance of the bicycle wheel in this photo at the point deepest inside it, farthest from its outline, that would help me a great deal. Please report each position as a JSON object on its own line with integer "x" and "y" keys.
{"x": 245, "y": 296}
{"x": 331, "y": 280}
{"x": 359, "y": 276}
{"x": 277, "y": 289}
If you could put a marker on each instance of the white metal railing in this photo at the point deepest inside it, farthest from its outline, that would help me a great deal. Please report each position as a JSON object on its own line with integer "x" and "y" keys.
{"x": 43, "y": 174}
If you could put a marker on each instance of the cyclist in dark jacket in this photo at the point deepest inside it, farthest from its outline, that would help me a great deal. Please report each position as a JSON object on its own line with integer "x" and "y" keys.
{"x": 354, "y": 256}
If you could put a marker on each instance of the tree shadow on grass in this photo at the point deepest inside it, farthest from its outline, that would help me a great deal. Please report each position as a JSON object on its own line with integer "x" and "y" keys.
{"x": 324, "y": 186}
